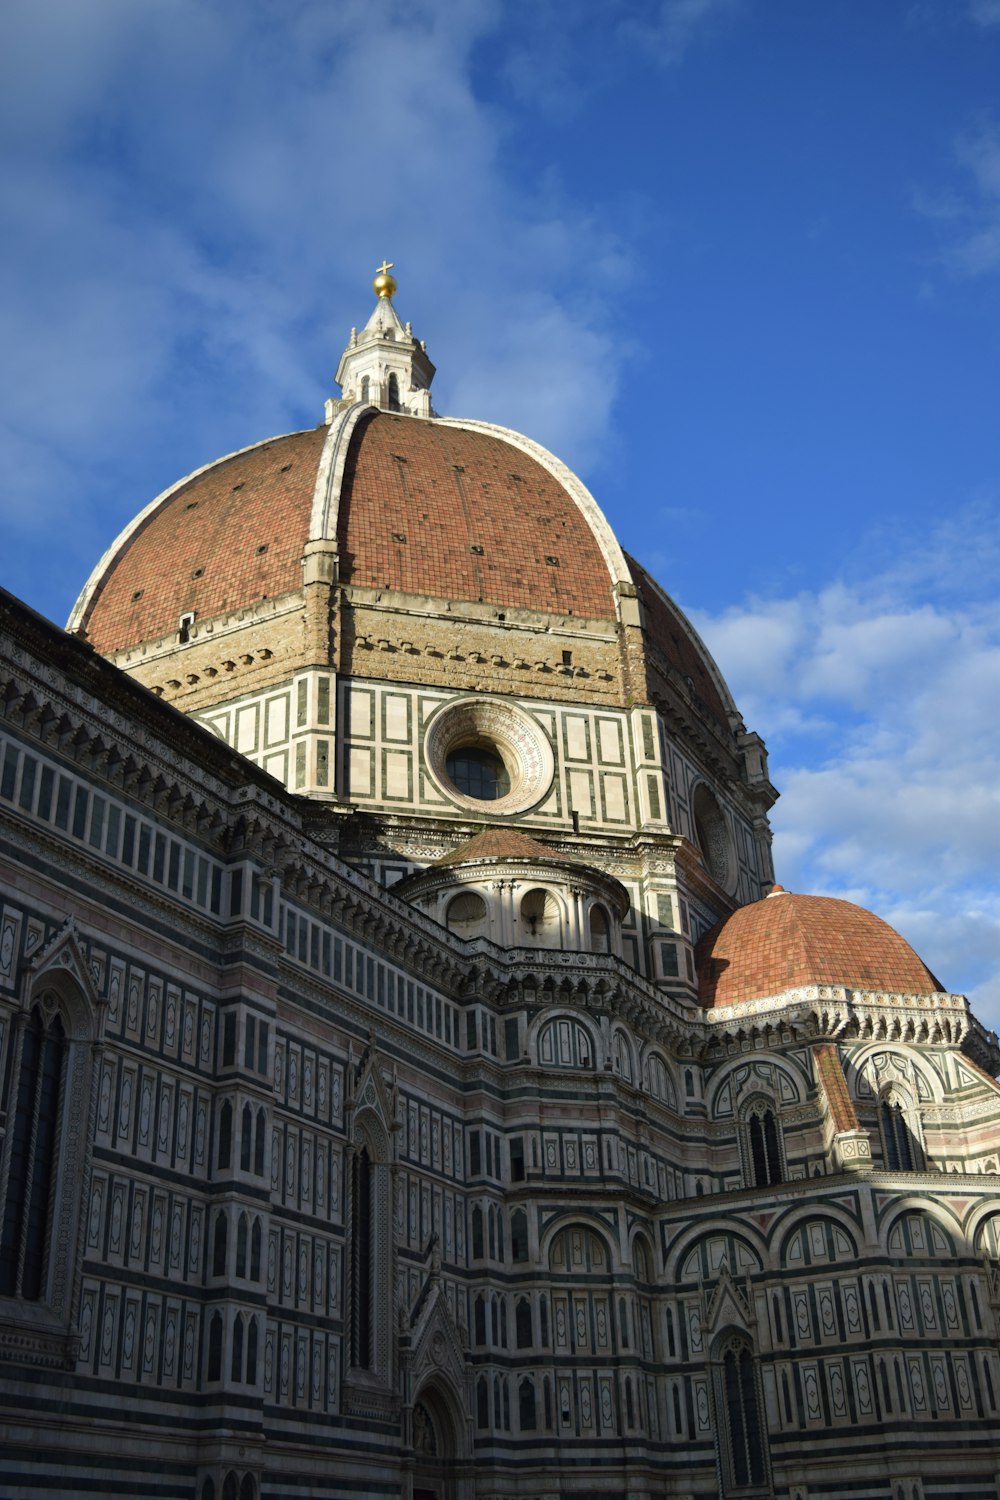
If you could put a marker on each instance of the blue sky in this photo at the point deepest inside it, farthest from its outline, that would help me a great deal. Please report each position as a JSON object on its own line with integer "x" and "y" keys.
{"x": 737, "y": 261}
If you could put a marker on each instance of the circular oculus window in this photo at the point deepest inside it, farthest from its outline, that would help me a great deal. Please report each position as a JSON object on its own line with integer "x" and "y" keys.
{"x": 488, "y": 756}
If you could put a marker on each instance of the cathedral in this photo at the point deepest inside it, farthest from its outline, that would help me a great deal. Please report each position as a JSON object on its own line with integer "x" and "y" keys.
{"x": 413, "y": 1082}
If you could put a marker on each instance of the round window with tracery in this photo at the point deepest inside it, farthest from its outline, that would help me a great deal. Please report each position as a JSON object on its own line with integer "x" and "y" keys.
{"x": 488, "y": 756}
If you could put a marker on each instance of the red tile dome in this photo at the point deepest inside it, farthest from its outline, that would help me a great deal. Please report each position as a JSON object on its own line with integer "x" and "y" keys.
{"x": 224, "y": 538}
{"x": 787, "y": 940}
{"x": 425, "y": 507}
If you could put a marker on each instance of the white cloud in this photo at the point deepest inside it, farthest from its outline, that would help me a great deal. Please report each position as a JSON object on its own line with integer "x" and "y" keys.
{"x": 192, "y": 189}
{"x": 888, "y": 759}
{"x": 985, "y": 12}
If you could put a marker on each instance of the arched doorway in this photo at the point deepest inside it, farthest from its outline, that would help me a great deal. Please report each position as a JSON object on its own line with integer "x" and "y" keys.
{"x": 438, "y": 1446}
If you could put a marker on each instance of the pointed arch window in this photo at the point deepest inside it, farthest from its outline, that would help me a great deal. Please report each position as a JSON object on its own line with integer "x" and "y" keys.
{"x": 370, "y": 1245}
{"x": 246, "y": 1138}
{"x": 225, "y": 1136}
{"x": 393, "y": 393}
{"x": 900, "y": 1149}
{"x": 27, "y": 1211}
{"x": 361, "y": 1262}
{"x": 744, "y": 1453}
{"x": 762, "y": 1145}
{"x": 366, "y": 386}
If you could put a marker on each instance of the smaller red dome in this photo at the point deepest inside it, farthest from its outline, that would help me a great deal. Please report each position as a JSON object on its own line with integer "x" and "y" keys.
{"x": 786, "y": 941}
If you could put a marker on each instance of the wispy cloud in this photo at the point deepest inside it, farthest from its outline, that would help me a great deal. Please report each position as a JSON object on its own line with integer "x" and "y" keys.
{"x": 985, "y": 12}
{"x": 889, "y": 761}
{"x": 675, "y": 26}
{"x": 969, "y": 212}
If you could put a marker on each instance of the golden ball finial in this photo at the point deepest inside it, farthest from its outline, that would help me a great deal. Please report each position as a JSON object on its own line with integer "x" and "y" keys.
{"x": 384, "y": 285}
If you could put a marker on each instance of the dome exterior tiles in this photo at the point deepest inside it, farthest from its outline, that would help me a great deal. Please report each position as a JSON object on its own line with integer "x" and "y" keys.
{"x": 220, "y": 540}
{"x": 480, "y": 521}
{"x": 787, "y": 941}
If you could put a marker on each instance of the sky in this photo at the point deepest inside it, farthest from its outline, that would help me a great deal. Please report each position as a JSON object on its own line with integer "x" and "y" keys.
{"x": 736, "y": 261}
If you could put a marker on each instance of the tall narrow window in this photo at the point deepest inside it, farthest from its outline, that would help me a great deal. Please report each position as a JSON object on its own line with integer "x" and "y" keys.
{"x": 28, "y": 1206}
{"x": 236, "y": 1367}
{"x": 246, "y": 1138}
{"x": 252, "y": 1351}
{"x": 746, "y": 1448}
{"x": 225, "y": 1135}
{"x": 215, "y": 1347}
{"x": 366, "y": 386}
{"x": 361, "y": 1264}
{"x": 219, "y": 1245}
{"x": 897, "y": 1141}
{"x": 258, "y": 1145}
{"x": 255, "y": 1251}
{"x": 393, "y": 393}
{"x": 527, "y": 1420}
{"x": 522, "y": 1323}
{"x": 764, "y": 1149}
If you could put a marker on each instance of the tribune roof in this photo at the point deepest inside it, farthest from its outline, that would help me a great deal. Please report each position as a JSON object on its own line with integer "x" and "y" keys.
{"x": 787, "y": 941}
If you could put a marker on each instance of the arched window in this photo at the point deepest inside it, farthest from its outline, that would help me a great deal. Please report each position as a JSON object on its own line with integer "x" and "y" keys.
{"x": 246, "y": 1138}
{"x": 900, "y": 1151}
{"x": 242, "y": 1239}
{"x": 482, "y": 1403}
{"x": 466, "y": 915}
{"x": 45, "y": 1091}
{"x": 208, "y": 1489}
{"x": 371, "y": 1274}
{"x": 477, "y": 1233}
{"x": 258, "y": 1148}
{"x": 622, "y": 1056}
{"x": 763, "y": 1145}
{"x": 600, "y": 930}
{"x": 540, "y": 921}
{"x": 577, "y": 1249}
{"x": 366, "y": 386}
{"x": 522, "y": 1323}
{"x": 743, "y": 1448}
{"x": 255, "y": 1238}
{"x": 527, "y": 1420}
{"x": 658, "y": 1079}
{"x": 565, "y": 1043}
{"x": 27, "y": 1212}
{"x": 231, "y": 1487}
{"x": 361, "y": 1261}
{"x": 215, "y": 1347}
{"x": 219, "y": 1244}
{"x": 225, "y": 1151}
{"x": 393, "y": 393}
{"x": 251, "y": 1351}
{"x": 519, "y": 1235}
{"x": 248, "y": 1489}
{"x": 236, "y": 1364}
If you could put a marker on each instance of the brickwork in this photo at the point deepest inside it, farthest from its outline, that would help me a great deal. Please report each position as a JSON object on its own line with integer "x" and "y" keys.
{"x": 429, "y": 509}
{"x": 232, "y": 536}
{"x": 789, "y": 940}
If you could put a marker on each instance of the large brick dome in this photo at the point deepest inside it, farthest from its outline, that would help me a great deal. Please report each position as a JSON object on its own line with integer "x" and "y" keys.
{"x": 425, "y": 508}
{"x": 787, "y": 940}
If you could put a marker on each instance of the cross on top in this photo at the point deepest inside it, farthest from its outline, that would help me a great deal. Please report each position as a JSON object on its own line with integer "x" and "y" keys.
{"x": 386, "y": 265}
